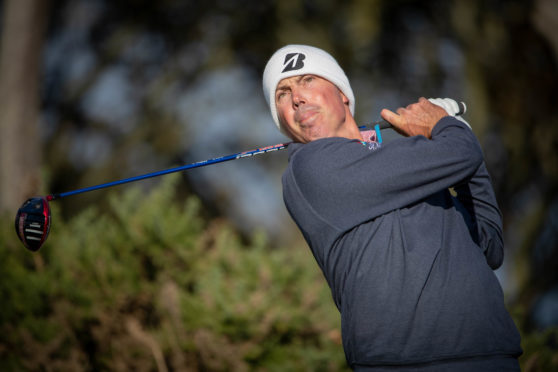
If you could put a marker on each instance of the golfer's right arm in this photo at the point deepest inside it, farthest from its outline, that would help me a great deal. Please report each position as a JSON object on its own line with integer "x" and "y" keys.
{"x": 364, "y": 184}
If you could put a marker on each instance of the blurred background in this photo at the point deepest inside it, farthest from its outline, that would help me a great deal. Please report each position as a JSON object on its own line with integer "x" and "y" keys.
{"x": 205, "y": 270}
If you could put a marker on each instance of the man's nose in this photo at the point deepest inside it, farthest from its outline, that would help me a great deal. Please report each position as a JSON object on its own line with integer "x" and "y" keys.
{"x": 298, "y": 97}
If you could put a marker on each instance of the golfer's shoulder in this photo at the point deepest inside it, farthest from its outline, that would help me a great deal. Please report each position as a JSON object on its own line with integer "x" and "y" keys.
{"x": 318, "y": 160}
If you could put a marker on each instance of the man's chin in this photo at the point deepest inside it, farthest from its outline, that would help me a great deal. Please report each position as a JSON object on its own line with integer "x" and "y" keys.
{"x": 313, "y": 135}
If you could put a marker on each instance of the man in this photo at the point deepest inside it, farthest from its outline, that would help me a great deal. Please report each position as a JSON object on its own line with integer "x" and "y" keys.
{"x": 409, "y": 265}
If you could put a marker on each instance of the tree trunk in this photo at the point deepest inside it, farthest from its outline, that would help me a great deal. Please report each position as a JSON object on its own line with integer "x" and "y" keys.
{"x": 20, "y": 60}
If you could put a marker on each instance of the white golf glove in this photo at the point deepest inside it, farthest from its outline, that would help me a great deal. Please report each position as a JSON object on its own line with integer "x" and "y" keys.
{"x": 451, "y": 107}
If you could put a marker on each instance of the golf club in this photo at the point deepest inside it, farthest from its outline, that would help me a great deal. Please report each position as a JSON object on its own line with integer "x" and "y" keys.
{"x": 33, "y": 218}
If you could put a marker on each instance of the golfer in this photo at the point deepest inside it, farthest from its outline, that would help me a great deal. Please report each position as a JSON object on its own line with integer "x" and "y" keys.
{"x": 409, "y": 263}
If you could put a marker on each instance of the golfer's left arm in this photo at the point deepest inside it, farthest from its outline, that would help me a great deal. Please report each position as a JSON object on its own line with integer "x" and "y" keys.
{"x": 478, "y": 197}
{"x": 475, "y": 192}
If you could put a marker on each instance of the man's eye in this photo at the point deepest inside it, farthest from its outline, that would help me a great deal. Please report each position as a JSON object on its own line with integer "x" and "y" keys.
{"x": 281, "y": 95}
{"x": 308, "y": 79}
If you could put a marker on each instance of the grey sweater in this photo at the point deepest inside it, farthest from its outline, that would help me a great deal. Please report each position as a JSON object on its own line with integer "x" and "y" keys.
{"x": 409, "y": 265}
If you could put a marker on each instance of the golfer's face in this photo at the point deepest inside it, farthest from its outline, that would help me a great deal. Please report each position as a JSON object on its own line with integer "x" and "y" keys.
{"x": 310, "y": 107}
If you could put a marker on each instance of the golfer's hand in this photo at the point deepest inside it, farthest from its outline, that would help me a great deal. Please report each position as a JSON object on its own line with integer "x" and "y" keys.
{"x": 417, "y": 119}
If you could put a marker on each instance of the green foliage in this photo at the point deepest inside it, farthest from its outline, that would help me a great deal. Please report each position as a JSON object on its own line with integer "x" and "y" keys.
{"x": 540, "y": 347}
{"x": 540, "y": 351}
{"x": 149, "y": 285}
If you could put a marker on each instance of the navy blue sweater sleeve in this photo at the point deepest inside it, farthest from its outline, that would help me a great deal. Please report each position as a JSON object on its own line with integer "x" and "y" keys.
{"x": 402, "y": 173}
{"x": 477, "y": 195}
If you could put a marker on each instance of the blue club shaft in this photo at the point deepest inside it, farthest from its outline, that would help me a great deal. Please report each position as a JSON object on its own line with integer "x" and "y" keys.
{"x": 280, "y": 146}
{"x": 203, "y": 163}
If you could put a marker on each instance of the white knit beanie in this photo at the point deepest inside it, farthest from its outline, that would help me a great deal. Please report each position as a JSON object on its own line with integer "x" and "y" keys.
{"x": 294, "y": 60}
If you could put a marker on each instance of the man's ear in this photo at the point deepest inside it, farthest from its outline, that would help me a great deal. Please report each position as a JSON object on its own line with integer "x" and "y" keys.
{"x": 344, "y": 98}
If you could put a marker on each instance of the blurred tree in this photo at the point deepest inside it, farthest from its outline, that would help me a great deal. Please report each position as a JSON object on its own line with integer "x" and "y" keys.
{"x": 20, "y": 59}
{"x": 513, "y": 71}
{"x": 149, "y": 285}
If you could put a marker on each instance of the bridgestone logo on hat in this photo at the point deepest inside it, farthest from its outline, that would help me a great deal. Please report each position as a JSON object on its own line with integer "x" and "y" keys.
{"x": 293, "y": 61}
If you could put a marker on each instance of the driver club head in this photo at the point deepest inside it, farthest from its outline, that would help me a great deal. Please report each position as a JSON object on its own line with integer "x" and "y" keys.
{"x": 32, "y": 223}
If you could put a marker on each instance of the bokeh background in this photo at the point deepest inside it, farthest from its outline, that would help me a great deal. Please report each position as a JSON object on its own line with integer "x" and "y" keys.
{"x": 204, "y": 270}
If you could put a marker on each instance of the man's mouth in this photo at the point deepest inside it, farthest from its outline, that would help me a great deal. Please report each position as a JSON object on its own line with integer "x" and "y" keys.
{"x": 304, "y": 116}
